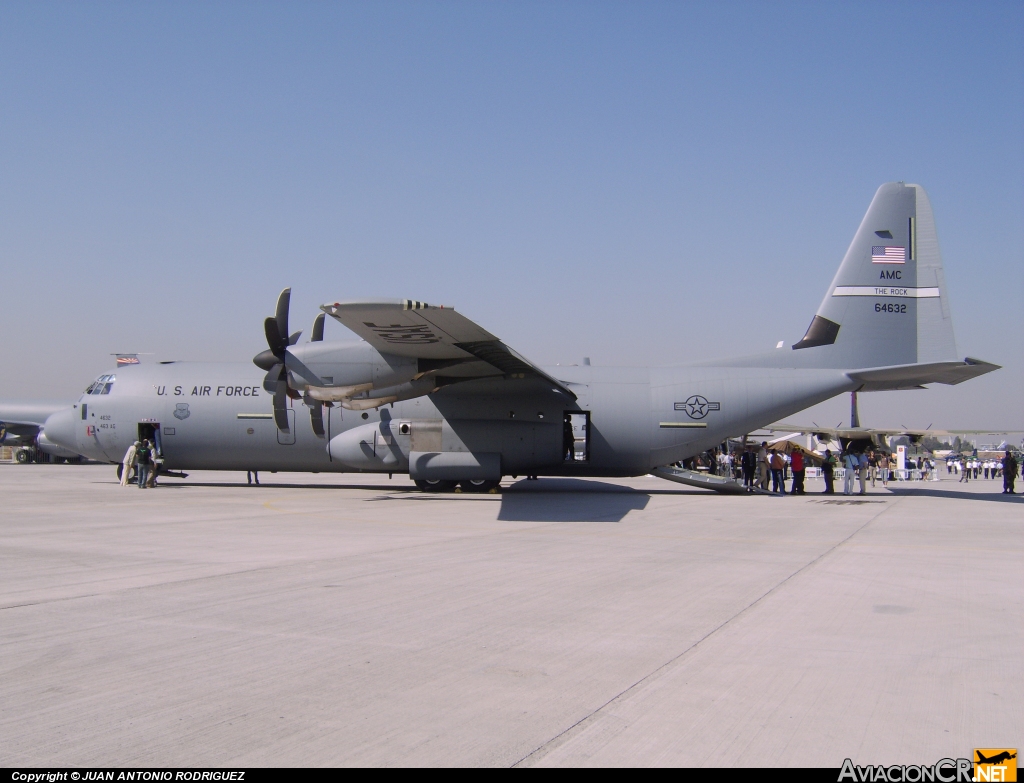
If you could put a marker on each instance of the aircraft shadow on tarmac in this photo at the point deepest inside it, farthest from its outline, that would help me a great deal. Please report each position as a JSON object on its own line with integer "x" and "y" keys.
{"x": 956, "y": 494}
{"x": 546, "y": 500}
{"x": 569, "y": 500}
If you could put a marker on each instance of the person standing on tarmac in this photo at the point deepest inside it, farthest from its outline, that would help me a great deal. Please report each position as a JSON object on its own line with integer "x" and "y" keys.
{"x": 850, "y": 465}
{"x": 568, "y": 439}
{"x": 142, "y": 463}
{"x": 862, "y": 471}
{"x": 128, "y": 463}
{"x": 777, "y": 465}
{"x": 1009, "y": 473}
{"x": 762, "y": 466}
{"x": 796, "y": 462}
{"x": 748, "y": 463}
{"x": 154, "y": 466}
{"x": 828, "y": 468}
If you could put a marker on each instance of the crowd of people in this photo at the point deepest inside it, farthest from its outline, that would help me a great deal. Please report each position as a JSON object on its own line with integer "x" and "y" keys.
{"x": 972, "y": 467}
{"x": 756, "y": 466}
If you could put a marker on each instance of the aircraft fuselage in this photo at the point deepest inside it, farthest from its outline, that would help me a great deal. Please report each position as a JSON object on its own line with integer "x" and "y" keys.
{"x": 218, "y": 417}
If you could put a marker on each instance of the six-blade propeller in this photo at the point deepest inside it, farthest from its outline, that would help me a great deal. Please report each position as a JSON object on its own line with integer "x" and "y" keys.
{"x": 275, "y": 361}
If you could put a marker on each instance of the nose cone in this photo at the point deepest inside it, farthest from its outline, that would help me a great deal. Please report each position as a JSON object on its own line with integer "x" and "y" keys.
{"x": 60, "y": 429}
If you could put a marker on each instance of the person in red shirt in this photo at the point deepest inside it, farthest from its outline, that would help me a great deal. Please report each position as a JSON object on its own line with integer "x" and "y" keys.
{"x": 796, "y": 462}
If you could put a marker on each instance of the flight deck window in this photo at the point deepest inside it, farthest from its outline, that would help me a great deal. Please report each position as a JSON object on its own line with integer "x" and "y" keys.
{"x": 101, "y": 385}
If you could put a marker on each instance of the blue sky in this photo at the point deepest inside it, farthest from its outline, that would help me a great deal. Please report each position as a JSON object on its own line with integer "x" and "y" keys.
{"x": 635, "y": 182}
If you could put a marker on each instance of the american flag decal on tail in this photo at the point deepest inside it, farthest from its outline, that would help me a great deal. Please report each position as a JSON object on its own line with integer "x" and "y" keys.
{"x": 888, "y": 254}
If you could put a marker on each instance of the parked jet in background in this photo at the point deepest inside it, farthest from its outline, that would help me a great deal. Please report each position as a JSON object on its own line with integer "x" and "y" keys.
{"x": 431, "y": 393}
{"x": 21, "y": 422}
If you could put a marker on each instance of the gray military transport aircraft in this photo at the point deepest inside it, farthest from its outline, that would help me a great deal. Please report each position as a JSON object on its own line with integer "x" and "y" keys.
{"x": 430, "y": 393}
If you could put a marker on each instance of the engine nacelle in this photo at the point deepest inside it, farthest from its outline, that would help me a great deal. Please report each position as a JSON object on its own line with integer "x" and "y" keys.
{"x": 346, "y": 369}
{"x": 45, "y": 444}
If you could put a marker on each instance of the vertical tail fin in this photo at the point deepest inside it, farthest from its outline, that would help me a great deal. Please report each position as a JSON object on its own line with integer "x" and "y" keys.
{"x": 887, "y": 304}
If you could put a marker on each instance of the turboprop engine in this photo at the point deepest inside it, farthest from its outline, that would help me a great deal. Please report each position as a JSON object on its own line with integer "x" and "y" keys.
{"x": 354, "y": 375}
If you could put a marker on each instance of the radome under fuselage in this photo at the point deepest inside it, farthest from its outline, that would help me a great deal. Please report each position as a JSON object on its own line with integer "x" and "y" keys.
{"x": 218, "y": 417}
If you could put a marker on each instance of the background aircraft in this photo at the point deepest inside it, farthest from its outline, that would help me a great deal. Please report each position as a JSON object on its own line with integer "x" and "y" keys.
{"x": 433, "y": 394}
{"x": 877, "y": 436}
{"x": 21, "y": 422}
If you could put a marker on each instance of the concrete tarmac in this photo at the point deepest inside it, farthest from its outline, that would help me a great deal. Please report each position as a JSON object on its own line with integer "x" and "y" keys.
{"x": 350, "y": 620}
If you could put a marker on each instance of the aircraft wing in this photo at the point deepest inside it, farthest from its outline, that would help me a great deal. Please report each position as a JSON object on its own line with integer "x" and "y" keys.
{"x": 436, "y": 335}
{"x": 24, "y": 418}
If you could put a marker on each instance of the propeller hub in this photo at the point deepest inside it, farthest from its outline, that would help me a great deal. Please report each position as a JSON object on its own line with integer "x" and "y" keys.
{"x": 265, "y": 360}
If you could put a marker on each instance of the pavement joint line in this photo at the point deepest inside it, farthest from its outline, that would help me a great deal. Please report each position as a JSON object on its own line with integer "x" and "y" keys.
{"x": 566, "y": 734}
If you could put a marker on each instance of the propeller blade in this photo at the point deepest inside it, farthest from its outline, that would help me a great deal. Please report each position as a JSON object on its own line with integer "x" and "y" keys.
{"x": 271, "y": 378}
{"x": 317, "y": 334}
{"x": 294, "y": 337}
{"x": 281, "y": 405}
{"x": 316, "y": 418}
{"x": 276, "y": 382}
{"x": 274, "y": 339}
{"x": 283, "y": 302}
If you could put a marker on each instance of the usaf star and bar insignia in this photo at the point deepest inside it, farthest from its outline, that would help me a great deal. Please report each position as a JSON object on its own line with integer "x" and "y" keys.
{"x": 697, "y": 407}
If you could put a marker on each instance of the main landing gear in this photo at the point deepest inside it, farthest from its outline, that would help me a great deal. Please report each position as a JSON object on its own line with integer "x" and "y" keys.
{"x": 466, "y": 485}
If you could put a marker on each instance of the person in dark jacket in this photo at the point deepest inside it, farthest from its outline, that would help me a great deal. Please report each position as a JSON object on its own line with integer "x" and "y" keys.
{"x": 1009, "y": 473}
{"x": 828, "y": 471}
{"x": 748, "y": 461}
{"x": 142, "y": 460}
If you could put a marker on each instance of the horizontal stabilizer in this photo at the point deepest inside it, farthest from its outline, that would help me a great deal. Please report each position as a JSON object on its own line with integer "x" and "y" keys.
{"x": 911, "y": 376}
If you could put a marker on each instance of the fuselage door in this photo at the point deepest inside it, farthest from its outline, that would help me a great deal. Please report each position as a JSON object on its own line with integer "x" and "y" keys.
{"x": 576, "y": 436}
{"x": 287, "y": 437}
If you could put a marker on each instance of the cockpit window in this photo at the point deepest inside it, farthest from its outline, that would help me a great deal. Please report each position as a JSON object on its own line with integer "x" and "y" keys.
{"x": 101, "y": 385}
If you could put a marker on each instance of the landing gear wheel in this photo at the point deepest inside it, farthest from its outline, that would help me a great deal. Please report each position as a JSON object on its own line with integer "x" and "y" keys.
{"x": 120, "y": 470}
{"x": 21, "y": 456}
{"x": 435, "y": 485}
{"x": 479, "y": 485}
